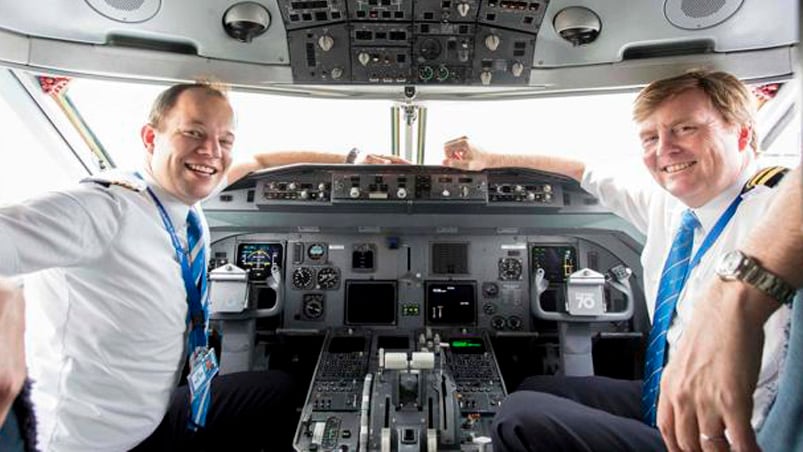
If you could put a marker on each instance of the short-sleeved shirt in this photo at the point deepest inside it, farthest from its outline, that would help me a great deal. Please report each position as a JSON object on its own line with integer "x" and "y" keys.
{"x": 106, "y": 310}
{"x": 656, "y": 213}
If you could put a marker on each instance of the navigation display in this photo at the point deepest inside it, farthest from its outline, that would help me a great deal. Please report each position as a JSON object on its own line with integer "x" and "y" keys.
{"x": 558, "y": 262}
{"x": 451, "y": 303}
{"x": 370, "y": 302}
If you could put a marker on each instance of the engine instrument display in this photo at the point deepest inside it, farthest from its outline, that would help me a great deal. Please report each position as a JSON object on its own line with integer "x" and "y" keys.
{"x": 259, "y": 256}
{"x": 451, "y": 303}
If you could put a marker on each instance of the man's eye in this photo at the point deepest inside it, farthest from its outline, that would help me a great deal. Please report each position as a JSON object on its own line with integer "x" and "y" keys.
{"x": 649, "y": 140}
{"x": 193, "y": 133}
{"x": 227, "y": 143}
{"x": 685, "y": 129}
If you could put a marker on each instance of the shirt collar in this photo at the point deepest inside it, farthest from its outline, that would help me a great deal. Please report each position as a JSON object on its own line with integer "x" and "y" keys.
{"x": 176, "y": 208}
{"x": 709, "y": 213}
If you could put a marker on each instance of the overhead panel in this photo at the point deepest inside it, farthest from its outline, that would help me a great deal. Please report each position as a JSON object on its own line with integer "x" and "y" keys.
{"x": 438, "y": 42}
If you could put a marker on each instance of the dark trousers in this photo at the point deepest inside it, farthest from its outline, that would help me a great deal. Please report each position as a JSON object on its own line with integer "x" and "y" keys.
{"x": 548, "y": 413}
{"x": 18, "y": 432}
{"x": 250, "y": 411}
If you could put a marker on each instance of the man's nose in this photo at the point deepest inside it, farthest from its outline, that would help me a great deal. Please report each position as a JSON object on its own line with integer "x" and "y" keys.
{"x": 211, "y": 146}
{"x": 667, "y": 143}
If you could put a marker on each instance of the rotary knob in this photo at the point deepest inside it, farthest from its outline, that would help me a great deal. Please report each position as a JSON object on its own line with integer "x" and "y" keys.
{"x": 337, "y": 73}
{"x": 363, "y": 58}
{"x": 485, "y": 77}
{"x": 326, "y": 43}
{"x": 354, "y": 193}
{"x": 516, "y": 69}
{"x": 401, "y": 193}
{"x": 492, "y": 42}
{"x": 463, "y": 9}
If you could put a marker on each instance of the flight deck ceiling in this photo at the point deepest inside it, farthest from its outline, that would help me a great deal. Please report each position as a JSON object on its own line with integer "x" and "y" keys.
{"x": 384, "y": 48}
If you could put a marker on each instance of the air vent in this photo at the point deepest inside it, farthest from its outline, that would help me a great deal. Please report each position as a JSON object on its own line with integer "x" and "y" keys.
{"x": 127, "y": 11}
{"x": 449, "y": 258}
{"x": 699, "y": 14}
{"x": 697, "y": 47}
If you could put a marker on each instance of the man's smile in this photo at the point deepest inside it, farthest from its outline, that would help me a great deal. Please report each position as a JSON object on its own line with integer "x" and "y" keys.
{"x": 676, "y": 167}
{"x": 201, "y": 169}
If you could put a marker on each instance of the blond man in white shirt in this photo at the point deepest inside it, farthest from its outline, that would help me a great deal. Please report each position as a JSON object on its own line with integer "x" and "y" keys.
{"x": 699, "y": 143}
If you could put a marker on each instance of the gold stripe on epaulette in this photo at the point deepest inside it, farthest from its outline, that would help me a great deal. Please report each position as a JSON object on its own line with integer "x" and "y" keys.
{"x": 767, "y": 176}
{"x": 771, "y": 175}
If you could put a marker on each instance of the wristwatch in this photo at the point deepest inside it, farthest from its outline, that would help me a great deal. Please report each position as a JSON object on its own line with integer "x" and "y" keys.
{"x": 351, "y": 157}
{"x": 737, "y": 266}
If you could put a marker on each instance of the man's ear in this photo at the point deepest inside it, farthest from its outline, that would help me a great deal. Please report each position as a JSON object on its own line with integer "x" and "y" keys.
{"x": 148, "y": 135}
{"x": 745, "y": 133}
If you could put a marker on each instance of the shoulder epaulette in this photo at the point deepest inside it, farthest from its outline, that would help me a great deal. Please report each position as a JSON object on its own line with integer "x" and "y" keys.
{"x": 120, "y": 180}
{"x": 769, "y": 177}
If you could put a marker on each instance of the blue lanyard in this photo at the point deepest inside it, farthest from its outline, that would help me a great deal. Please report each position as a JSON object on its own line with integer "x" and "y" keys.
{"x": 713, "y": 235}
{"x": 196, "y": 316}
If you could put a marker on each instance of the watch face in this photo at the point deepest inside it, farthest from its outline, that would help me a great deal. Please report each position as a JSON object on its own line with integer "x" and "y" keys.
{"x": 730, "y": 263}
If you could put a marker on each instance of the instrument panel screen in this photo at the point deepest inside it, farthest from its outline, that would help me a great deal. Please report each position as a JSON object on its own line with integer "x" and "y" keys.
{"x": 258, "y": 256}
{"x": 370, "y": 302}
{"x": 451, "y": 303}
{"x": 558, "y": 262}
{"x": 467, "y": 345}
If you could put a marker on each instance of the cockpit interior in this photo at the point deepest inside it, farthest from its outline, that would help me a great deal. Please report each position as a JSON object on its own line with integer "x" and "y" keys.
{"x": 408, "y": 300}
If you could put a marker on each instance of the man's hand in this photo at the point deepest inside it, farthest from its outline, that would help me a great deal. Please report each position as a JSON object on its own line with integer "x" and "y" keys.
{"x": 12, "y": 357}
{"x": 380, "y": 159}
{"x": 460, "y": 153}
{"x": 707, "y": 386}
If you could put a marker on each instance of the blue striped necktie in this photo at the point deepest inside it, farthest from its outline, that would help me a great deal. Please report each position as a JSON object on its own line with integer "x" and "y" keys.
{"x": 676, "y": 269}
{"x": 196, "y": 243}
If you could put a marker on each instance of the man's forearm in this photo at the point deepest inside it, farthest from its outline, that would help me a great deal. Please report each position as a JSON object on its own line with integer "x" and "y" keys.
{"x": 560, "y": 165}
{"x": 270, "y": 159}
{"x": 777, "y": 242}
{"x": 12, "y": 331}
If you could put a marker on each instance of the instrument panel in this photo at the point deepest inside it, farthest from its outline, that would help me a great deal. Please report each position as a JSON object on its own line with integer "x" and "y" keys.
{"x": 409, "y": 275}
{"x": 403, "y": 246}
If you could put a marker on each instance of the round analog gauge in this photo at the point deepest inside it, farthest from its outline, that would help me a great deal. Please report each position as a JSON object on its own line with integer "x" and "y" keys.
{"x": 316, "y": 251}
{"x": 302, "y": 278}
{"x": 313, "y": 306}
{"x": 509, "y": 269}
{"x": 328, "y": 278}
{"x": 490, "y": 289}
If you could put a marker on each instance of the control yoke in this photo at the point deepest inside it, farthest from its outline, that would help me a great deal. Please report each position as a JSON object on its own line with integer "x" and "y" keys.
{"x": 228, "y": 290}
{"x": 585, "y": 296}
{"x": 585, "y": 304}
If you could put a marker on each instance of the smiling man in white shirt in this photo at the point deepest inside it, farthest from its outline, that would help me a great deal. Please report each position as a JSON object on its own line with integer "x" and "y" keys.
{"x": 112, "y": 283}
{"x": 699, "y": 143}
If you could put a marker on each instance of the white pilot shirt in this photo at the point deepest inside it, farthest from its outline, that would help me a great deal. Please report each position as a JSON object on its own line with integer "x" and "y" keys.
{"x": 109, "y": 306}
{"x": 656, "y": 213}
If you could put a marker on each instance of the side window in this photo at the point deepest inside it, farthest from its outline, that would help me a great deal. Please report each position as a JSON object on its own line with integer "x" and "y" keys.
{"x": 29, "y": 166}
